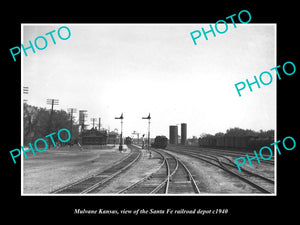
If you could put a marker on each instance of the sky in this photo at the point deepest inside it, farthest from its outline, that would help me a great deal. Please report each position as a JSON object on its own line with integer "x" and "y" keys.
{"x": 137, "y": 69}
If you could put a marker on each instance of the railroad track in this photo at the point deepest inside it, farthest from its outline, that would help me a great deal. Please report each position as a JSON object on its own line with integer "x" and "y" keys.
{"x": 222, "y": 155}
{"x": 238, "y": 154}
{"x": 172, "y": 177}
{"x": 234, "y": 154}
{"x": 228, "y": 157}
{"x": 256, "y": 173}
{"x": 182, "y": 181}
{"x": 259, "y": 182}
{"x": 94, "y": 183}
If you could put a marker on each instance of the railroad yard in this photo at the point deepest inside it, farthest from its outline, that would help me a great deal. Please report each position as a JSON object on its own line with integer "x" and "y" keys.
{"x": 176, "y": 170}
{"x": 123, "y": 117}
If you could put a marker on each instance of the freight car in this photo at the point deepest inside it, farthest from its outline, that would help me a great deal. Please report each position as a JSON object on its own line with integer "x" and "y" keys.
{"x": 235, "y": 142}
{"x": 128, "y": 141}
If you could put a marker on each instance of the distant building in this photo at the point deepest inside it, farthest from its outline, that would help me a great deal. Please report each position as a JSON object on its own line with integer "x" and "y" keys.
{"x": 173, "y": 135}
{"x": 93, "y": 137}
{"x": 183, "y": 133}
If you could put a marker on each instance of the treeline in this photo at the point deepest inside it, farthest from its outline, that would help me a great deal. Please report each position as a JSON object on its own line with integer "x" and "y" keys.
{"x": 238, "y": 132}
{"x": 237, "y": 138}
{"x": 37, "y": 123}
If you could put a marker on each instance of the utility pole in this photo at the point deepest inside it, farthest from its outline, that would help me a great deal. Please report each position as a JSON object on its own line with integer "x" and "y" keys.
{"x": 71, "y": 111}
{"x": 148, "y": 118}
{"x": 82, "y": 115}
{"x": 99, "y": 124}
{"x": 51, "y": 102}
{"x": 93, "y": 121}
{"x": 121, "y": 136}
{"x": 138, "y": 136}
{"x": 25, "y": 91}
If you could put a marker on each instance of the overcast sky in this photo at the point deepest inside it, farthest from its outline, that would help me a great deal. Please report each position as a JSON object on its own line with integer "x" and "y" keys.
{"x": 140, "y": 68}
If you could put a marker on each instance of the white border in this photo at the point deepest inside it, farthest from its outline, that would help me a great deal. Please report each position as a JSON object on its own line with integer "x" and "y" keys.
{"x": 148, "y": 195}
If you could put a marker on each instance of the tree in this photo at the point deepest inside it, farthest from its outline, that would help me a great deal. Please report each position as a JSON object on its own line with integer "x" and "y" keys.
{"x": 219, "y": 134}
{"x": 205, "y": 135}
{"x": 36, "y": 123}
{"x": 160, "y": 142}
{"x": 238, "y": 132}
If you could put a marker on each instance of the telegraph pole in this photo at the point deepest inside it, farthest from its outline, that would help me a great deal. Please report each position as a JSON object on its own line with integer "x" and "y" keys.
{"x": 138, "y": 136}
{"x": 99, "y": 125}
{"x": 25, "y": 91}
{"x": 93, "y": 120}
{"x": 51, "y": 102}
{"x": 71, "y": 111}
{"x": 82, "y": 115}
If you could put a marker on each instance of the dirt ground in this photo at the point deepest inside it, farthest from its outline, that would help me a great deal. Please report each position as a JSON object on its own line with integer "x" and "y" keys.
{"x": 54, "y": 168}
{"x": 262, "y": 168}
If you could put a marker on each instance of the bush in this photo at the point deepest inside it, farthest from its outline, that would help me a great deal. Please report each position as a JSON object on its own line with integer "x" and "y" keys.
{"x": 160, "y": 142}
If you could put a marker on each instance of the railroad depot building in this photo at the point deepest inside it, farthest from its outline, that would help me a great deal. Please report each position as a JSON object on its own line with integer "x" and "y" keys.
{"x": 95, "y": 137}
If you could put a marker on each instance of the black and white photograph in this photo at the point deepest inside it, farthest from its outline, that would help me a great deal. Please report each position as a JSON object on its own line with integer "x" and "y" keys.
{"x": 147, "y": 111}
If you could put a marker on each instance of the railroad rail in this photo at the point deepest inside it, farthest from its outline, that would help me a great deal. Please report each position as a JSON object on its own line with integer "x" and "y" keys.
{"x": 172, "y": 177}
{"x": 233, "y": 165}
{"x": 150, "y": 183}
{"x": 259, "y": 182}
{"x": 224, "y": 155}
{"x": 196, "y": 149}
{"x": 182, "y": 181}
{"x": 92, "y": 184}
{"x": 256, "y": 180}
{"x": 237, "y": 154}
